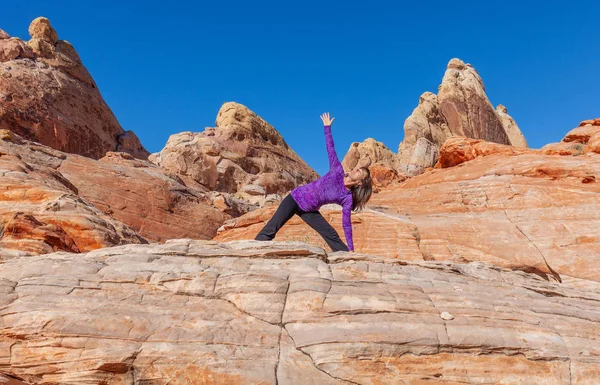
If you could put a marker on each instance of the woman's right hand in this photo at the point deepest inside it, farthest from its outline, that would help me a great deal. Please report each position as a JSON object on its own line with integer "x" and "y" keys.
{"x": 326, "y": 120}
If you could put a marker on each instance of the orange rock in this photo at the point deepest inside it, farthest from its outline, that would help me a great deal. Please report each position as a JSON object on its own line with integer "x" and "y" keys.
{"x": 590, "y": 122}
{"x": 514, "y": 208}
{"x": 581, "y": 134}
{"x": 563, "y": 148}
{"x": 383, "y": 176}
{"x": 144, "y": 197}
{"x": 53, "y": 201}
{"x": 593, "y": 145}
{"x": 40, "y": 211}
{"x": 53, "y": 99}
{"x": 457, "y": 150}
{"x": 205, "y": 312}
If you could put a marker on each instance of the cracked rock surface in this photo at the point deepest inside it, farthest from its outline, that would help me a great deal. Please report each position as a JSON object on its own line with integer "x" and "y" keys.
{"x": 287, "y": 313}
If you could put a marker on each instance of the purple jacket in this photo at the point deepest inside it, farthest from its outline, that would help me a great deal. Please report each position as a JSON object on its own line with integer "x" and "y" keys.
{"x": 328, "y": 189}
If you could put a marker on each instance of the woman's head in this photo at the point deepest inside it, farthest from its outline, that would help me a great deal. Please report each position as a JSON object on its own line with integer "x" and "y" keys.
{"x": 360, "y": 184}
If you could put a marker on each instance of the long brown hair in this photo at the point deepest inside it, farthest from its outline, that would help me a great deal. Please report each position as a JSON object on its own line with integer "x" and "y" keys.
{"x": 361, "y": 193}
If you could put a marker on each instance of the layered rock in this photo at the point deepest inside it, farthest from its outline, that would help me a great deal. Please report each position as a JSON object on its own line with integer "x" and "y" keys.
{"x": 590, "y": 122}
{"x": 243, "y": 155}
{"x": 581, "y": 140}
{"x": 514, "y": 208}
{"x": 205, "y": 312}
{"x": 381, "y": 161}
{"x": 458, "y": 149}
{"x": 48, "y": 96}
{"x": 461, "y": 108}
{"x": 41, "y": 211}
{"x": 70, "y": 202}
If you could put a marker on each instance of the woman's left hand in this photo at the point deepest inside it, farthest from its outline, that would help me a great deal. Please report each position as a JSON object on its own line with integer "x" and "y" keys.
{"x": 326, "y": 120}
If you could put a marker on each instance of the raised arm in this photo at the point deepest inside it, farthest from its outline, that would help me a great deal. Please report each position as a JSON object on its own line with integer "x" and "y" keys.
{"x": 331, "y": 154}
{"x": 347, "y": 221}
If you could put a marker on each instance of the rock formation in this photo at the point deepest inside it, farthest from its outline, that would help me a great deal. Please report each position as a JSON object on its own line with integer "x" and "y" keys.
{"x": 458, "y": 149}
{"x": 515, "y": 136}
{"x": 243, "y": 155}
{"x": 260, "y": 312}
{"x": 461, "y": 108}
{"x": 512, "y": 207}
{"x": 50, "y": 200}
{"x": 41, "y": 210}
{"x": 381, "y": 161}
{"x": 48, "y": 96}
{"x": 582, "y": 140}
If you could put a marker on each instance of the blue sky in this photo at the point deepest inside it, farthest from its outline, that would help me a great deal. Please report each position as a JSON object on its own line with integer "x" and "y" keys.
{"x": 166, "y": 67}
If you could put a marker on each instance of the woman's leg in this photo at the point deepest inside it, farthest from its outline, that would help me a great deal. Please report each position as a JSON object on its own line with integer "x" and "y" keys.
{"x": 315, "y": 220}
{"x": 287, "y": 208}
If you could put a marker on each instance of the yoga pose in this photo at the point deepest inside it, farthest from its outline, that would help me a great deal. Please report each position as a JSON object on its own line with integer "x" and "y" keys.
{"x": 350, "y": 190}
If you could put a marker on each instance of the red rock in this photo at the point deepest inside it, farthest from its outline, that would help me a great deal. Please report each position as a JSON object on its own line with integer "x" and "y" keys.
{"x": 511, "y": 207}
{"x": 457, "y": 150}
{"x": 144, "y": 197}
{"x": 101, "y": 203}
{"x": 579, "y": 141}
{"x": 581, "y": 134}
{"x": 48, "y": 96}
{"x": 563, "y": 148}
{"x": 40, "y": 211}
{"x": 590, "y": 122}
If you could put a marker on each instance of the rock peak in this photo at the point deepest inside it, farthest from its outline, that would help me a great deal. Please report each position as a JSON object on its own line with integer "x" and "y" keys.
{"x": 40, "y": 28}
{"x": 456, "y": 63}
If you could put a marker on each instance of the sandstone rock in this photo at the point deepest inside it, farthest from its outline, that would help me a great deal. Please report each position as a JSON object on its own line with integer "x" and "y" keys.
{"x": 563, "y": 148}
{"x": 144, "y": 197}
{"x": 590, "y": 122}
{"x": 130, "y": 143}
{"x": 581, "y": 134}
{"x": 232, "y": 204}
{"x": 242, "y": 150}
{"x": 424, "y": 131}
{"x": 464, "y": 104}
{"x": 446, "y": 316}
{"x": 593, "y": 145}
{"x": 382, "y": 163}
{"x": 190, "y": 311}
{"x": 508, "y": 206}
{"x": 52, "y": 99}
{"x": 253, "y": 190}
{"x": 11, "y": 49}
{"x": 40, "y": 28}
{"x": 4, "y": 35}
{"x": 460, "y": 108}
{"x": 137, "y": 194}
{"x": 515, "y": 136}
{"x": 384, "y": 176}
{"x": 579, "y": 141}
{"x": 457, "y": 150}
{"x": 40, "y": 210}
{"x": 6, "y": 380}
{"x": 367, "y": 153}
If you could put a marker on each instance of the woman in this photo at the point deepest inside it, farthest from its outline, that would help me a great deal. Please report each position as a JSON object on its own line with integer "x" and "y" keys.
{"x": 351, "y": 190}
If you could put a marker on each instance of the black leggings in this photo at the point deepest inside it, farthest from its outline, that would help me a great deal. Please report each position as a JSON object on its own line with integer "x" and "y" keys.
{"x": 314, "y": 219}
